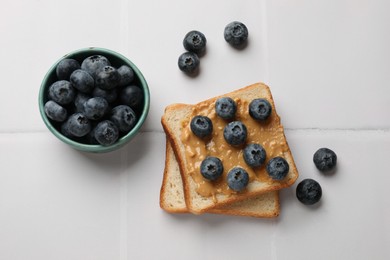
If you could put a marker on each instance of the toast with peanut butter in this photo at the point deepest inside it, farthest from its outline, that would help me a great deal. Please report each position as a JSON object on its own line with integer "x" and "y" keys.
{"x": 172, "y": 195}
{"x": 202, "y": 195}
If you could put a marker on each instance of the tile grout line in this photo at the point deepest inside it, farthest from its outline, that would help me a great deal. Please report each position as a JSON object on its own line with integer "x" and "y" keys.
{"x": 124, "y": 26}
{"x": 265, "y": 40}
{"x": 319, "y": 129}
{"x": 123, "y": 210}
{"x": 273, "y": 248}
{"x": 308, "y": 129}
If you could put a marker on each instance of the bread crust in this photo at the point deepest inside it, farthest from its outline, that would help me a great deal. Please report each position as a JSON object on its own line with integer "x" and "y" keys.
{"x": 164, "y": 204}
{"x": 263, "y": 206}
{"x": 195, "y": 204}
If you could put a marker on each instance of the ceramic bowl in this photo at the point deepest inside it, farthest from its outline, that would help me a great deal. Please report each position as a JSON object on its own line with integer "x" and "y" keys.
{"x": 116, "y": 60}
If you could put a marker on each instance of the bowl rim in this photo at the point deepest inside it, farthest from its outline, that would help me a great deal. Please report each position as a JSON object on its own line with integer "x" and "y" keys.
{"x": 95, "y": 148}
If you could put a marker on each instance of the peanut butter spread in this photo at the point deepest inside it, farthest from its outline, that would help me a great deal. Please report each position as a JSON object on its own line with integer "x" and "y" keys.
{"x": 269, "y": 134}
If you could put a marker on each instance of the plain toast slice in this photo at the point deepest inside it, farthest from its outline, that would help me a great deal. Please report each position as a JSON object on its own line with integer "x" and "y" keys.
{"x": 269, "y": 134}
{"x": 172, "y": 195}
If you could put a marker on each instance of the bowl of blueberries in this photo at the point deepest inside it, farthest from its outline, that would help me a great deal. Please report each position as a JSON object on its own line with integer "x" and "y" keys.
{"x": 94, "y": 100}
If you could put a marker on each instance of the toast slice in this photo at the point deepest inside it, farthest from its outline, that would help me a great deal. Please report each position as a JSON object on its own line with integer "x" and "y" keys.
{"x": 172, "y": 195}
{"x": 191, "y": 150}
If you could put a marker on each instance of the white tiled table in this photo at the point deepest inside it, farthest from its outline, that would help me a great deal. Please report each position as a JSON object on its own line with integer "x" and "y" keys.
{"x": 328, "y": 65}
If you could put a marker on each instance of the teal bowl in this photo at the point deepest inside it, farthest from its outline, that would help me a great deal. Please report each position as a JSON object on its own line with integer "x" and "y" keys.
{"x": 116, "y": 60}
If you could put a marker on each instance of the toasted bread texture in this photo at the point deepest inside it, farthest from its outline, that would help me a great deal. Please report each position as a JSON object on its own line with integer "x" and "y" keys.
{"x": 172, "y": 195}
{"x": 270, "y": 135}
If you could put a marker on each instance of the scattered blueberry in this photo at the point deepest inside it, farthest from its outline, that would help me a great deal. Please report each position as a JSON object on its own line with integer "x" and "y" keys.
{"x": 82, "y": 81}
{"x": 93, "y": 64}
{"x": 107, "y": 78}
{"x": 225, "y": 107}
{"x": 132, "y": 96}
{"x": 309, "y": 192}
{"x": 201, "y": 126}
{"x": 55, "y": 112}
{"x": 195, "y": 41}
{"x": 237, "y": 179}
{"x": 189, "y": 62}
{"x": 65, "y": 68}
{"x": 62, "y": 92}
{"x": 127, "y": 75}
{"x": 260, "y": 109}
{"x": 123, "y": 117}
{"x": 277, "y": 168}
{"x": 95, "y": 108}
{"x": 211, "y": 168}
{"x": 254, "y": 155}
{"x": 235, "y": 133}
{"x": 109, "y": 95}
{"x": 325, "y": 159}
{"x": 78, "y": 125}
{"x": 106, "y": 132}
{"x": 236, "y": 34}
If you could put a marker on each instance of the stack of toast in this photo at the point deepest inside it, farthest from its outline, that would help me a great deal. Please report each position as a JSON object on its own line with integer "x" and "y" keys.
{"x": 184, "y": 190}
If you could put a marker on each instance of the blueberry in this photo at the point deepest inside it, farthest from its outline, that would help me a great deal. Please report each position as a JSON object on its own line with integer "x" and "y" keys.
{"x": 189, "y": 62}
{"x": 94, "y": 64}
{"x": 132, "y": 96}
{"x": 107, "y": 78}
{"x": 65, "y": 68}
{"x": 95, "y": 108}
{"x": 195, "y": 41}
{"x": 65, "y": 130}
{"x": 78, "y": 125}
{"x": 235, "y": 133}
{"x": 309, "y": 192}
{"x": 62, "y": 92}
{"x": 55, "y": 112}
{"x": 260, "y": 109}
{"x": 201, "y": 126}
{"x": 236, "y": 34}
{"x": 254, "y": 155}
{"x": 106, "y": 132}
{"x": 109, "y": 95}
{"x": 325, "y": 159}
{"x": 237, "y": 179}
{"x": 79, "y": 101}
{"x": 211, "y": 168}
{"x": 127, "y": 75}
{"x": 82, "y": 81}
{"x": 123, "y": 117}
{"x": 90, "y": 137}
{"x": 277, "y": 168}
{"x": 225, "y": 107}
